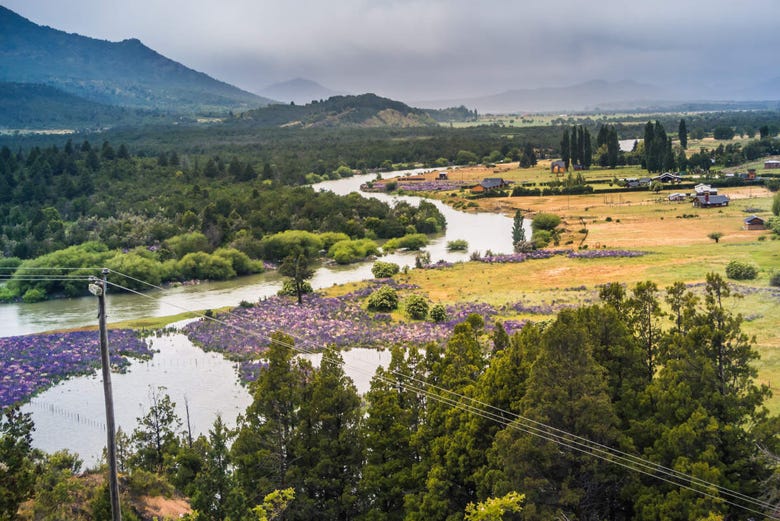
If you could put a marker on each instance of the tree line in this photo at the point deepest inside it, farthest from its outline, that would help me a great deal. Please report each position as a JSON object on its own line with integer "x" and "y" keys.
{"x": 487, "y": 414}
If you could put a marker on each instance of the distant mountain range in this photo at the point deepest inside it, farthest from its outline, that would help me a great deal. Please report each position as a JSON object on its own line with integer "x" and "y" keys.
{"x": 583, "y": 96}
{"x": 365, "y": 110}
{"x": 299, "y": 91}
{"x": 125, "y": 73}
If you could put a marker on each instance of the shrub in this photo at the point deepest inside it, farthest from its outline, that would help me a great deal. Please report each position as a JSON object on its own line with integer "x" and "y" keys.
{"x": 280, "y": 245}
{"x": 344, "y": 252}
{"x": 34, "y": 295}
{"x": 458, "y": 245}
{"x": 741, "y": 270}
{"x": 413, "y": 241}
{"x": 545, "y": 221}
{"x": 330, "y": 238}
{"x": 203, "y": 266}
{"x": 181, "y": 245}
{"x": 137, "y": 267}
{"x": 240, "y": 261}
{"x": 288, "y": 288}
{"x": 438, "y": 313}
{"x": 774, "y": 280}
{"x": 416, "y": 307}
{"x": 383, "y": 299}
{"x": 383, "y": 270}
{"x": 541, "y": 238}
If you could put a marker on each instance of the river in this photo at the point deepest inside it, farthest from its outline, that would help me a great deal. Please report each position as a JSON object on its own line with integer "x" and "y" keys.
{"x": 70, "y": 415}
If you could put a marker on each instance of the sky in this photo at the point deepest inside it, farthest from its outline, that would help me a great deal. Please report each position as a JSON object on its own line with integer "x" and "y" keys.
{"x": 442, "y": 49}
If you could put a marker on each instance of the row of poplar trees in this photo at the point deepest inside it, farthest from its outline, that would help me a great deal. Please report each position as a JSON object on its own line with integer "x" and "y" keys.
{"x": 446, "y": 426}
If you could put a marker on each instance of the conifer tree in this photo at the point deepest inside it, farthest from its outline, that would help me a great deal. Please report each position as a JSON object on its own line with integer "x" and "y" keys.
{"x": 682, "y": 134}
{"x": 566, "y": 147}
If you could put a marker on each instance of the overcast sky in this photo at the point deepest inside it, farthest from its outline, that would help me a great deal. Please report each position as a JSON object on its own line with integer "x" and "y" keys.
{"x": 435, "y": 49}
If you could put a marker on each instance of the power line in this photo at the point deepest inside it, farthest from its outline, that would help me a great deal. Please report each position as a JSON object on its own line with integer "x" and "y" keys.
{"x": 527, "y": 425}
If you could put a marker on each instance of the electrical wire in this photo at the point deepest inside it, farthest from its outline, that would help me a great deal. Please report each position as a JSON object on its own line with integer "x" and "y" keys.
{"x": 526, "y": 425}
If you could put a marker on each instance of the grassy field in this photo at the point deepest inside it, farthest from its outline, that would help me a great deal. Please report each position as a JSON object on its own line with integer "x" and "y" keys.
{"x": 674, "y": 235}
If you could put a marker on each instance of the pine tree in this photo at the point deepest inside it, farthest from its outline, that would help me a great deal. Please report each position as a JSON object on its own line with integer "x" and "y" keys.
{"x": 566, "y": 147}
{"x": 518, "y": 232}
{"x": 156, "y": 439}
{"x": 587, "y": 149}
{"x": 613, "y": 147}
{"x": 328, "y": 445}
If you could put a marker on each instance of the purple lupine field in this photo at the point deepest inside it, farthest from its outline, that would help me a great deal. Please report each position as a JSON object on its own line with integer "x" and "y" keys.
{"x": 32, "y": 363}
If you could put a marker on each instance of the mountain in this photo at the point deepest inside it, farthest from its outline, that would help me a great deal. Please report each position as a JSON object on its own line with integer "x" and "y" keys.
{"x": 36, "y": 106}
{"x": 125, "y": 73}
{"x": 299, "y": 91}
{"x": 365, "y": 110}
{"x": 584, "y": 96}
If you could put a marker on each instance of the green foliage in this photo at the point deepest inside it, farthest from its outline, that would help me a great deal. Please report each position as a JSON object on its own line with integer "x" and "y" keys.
{"x": 383, "y": 299}
{"x": 284, "y": 244}
{"x": 494, "y": 508}
{"x": 192, "y": 242}
{"x": 34, "y": 295}
{"x": 204, "y": 266}
{"x": 458, "y": 245}
{"x": 776, "y": 204}
{"x": 545, "y": 221}
{"x": 383, "y": 270}
{"x": 274, "y": 504}
{"x": 438, "y": 313}
{"x": 135, "y": 265}
{"x": 413, "y": 241}
{"x": 541, "y": 238}
{"x": 148, "y": 483}
{"x": 738, "y": 270}
{"x": 466, "y": 157}
{"x": 347, "y": 251}
{"x": 17, "y": 466}
{"x": 155, "y": 437}
{"x": 330, "y": 238}
{"x": 715, "y": 236}
{"x": 239, "y": 261}
{"x": 416, "y": 307}
{"x": 289, "y": 289}
{"x": 774, "y": 280}
{"x": 298, "y": 269}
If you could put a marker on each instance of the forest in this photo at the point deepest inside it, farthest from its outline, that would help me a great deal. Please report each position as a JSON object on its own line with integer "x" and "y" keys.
{"x": 613, "y": 410}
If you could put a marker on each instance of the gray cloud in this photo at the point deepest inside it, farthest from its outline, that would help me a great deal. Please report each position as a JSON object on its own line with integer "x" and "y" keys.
{"x": 415, "y": 49}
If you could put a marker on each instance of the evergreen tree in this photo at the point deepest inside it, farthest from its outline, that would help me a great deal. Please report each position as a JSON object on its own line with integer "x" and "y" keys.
{"x": 682, "y": 134}
{"x": 155, "y": 439}
{"x": 327, "y": 445}
{"x": 575, "y": 146}
{"x": 17, "y": 465}
{"x": 613, "y": 147}
{"x": 263, "y": 452}
{"x": 587, "y": 149}
{"x": 518, "y": 232}
{"x": 392, "y": 419}
{"x": 567, "y": 390}
{"x": 214, "y": 486}
{"x": 566, "y": 147}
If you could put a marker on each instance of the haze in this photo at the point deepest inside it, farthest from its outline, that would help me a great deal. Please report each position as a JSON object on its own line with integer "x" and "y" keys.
{"x": 439, "y": 49}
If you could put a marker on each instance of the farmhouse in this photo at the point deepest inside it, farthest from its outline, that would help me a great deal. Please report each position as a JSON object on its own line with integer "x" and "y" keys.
{"x": 442, "y": 176}
{"x": 702, "y": 189}
{"x": 557, "y": 167}
{"x": 772, "y": 163}
{"x": 668, "y": 177}
{"x": 754, "y": 223}
{"x": 710, "y": 200}
{"x": 678, "y": 197}
{"x": 488, "y": 184}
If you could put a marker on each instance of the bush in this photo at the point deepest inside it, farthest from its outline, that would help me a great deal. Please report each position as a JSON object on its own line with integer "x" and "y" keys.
{"x": 438, "y": 313}
{"x": 204, "y": 266}
{"x": 181, "y": 245}
{"x": 288, "y": 288}
{"x": 741, "y": 270}
{"x": 413, "y": 241}
{"x": 545, "y": 221}
{"x": 383, "y": 270}
{"x": 134, "y": 265}
{"x": 457, "y": 245}
{"x": 383, "y": 299}
{"x": 344, "y": 252}
{"x": 240, "y": 261}
{"x": 34, "y": 295}
{"x": 416, "y": 307}
{"x": 541, "y": 238}
{"x": 280, "y": 245}
{"x": 774, "y": 280}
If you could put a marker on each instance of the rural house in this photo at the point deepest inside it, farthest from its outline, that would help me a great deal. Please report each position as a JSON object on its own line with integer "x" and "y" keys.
{"x": 710, "y": 200}
{"x": 772, "y": 163}
{"x": 702, "y": 189}
{"x": 668, "y": 177}
{"x": 678, "y": 197}
{"x": 489, "y": 184}
{"x": 754, "y": 223}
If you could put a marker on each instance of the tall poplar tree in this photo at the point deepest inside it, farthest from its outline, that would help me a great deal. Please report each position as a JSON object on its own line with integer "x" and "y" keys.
{"x": 682, "y": 133}
{"x": 566, "y": 147}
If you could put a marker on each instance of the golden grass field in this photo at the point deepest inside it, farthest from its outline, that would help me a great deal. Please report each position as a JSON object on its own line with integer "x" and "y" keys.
{"x": 674, "y": 235}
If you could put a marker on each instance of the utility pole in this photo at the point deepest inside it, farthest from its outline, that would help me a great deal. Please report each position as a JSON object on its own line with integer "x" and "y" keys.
{"x": 98, "y": 288}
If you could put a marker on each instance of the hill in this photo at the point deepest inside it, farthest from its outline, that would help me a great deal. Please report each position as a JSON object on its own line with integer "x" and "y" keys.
{"x": 298, "y": 90}
{"x": 365, "y": 110}
{"x": 125, "y": 73}
{"x": 36, "y": 106}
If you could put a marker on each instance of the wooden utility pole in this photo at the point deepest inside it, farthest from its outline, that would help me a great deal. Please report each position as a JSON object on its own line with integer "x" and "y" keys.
{"x": 98, "y": 288}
